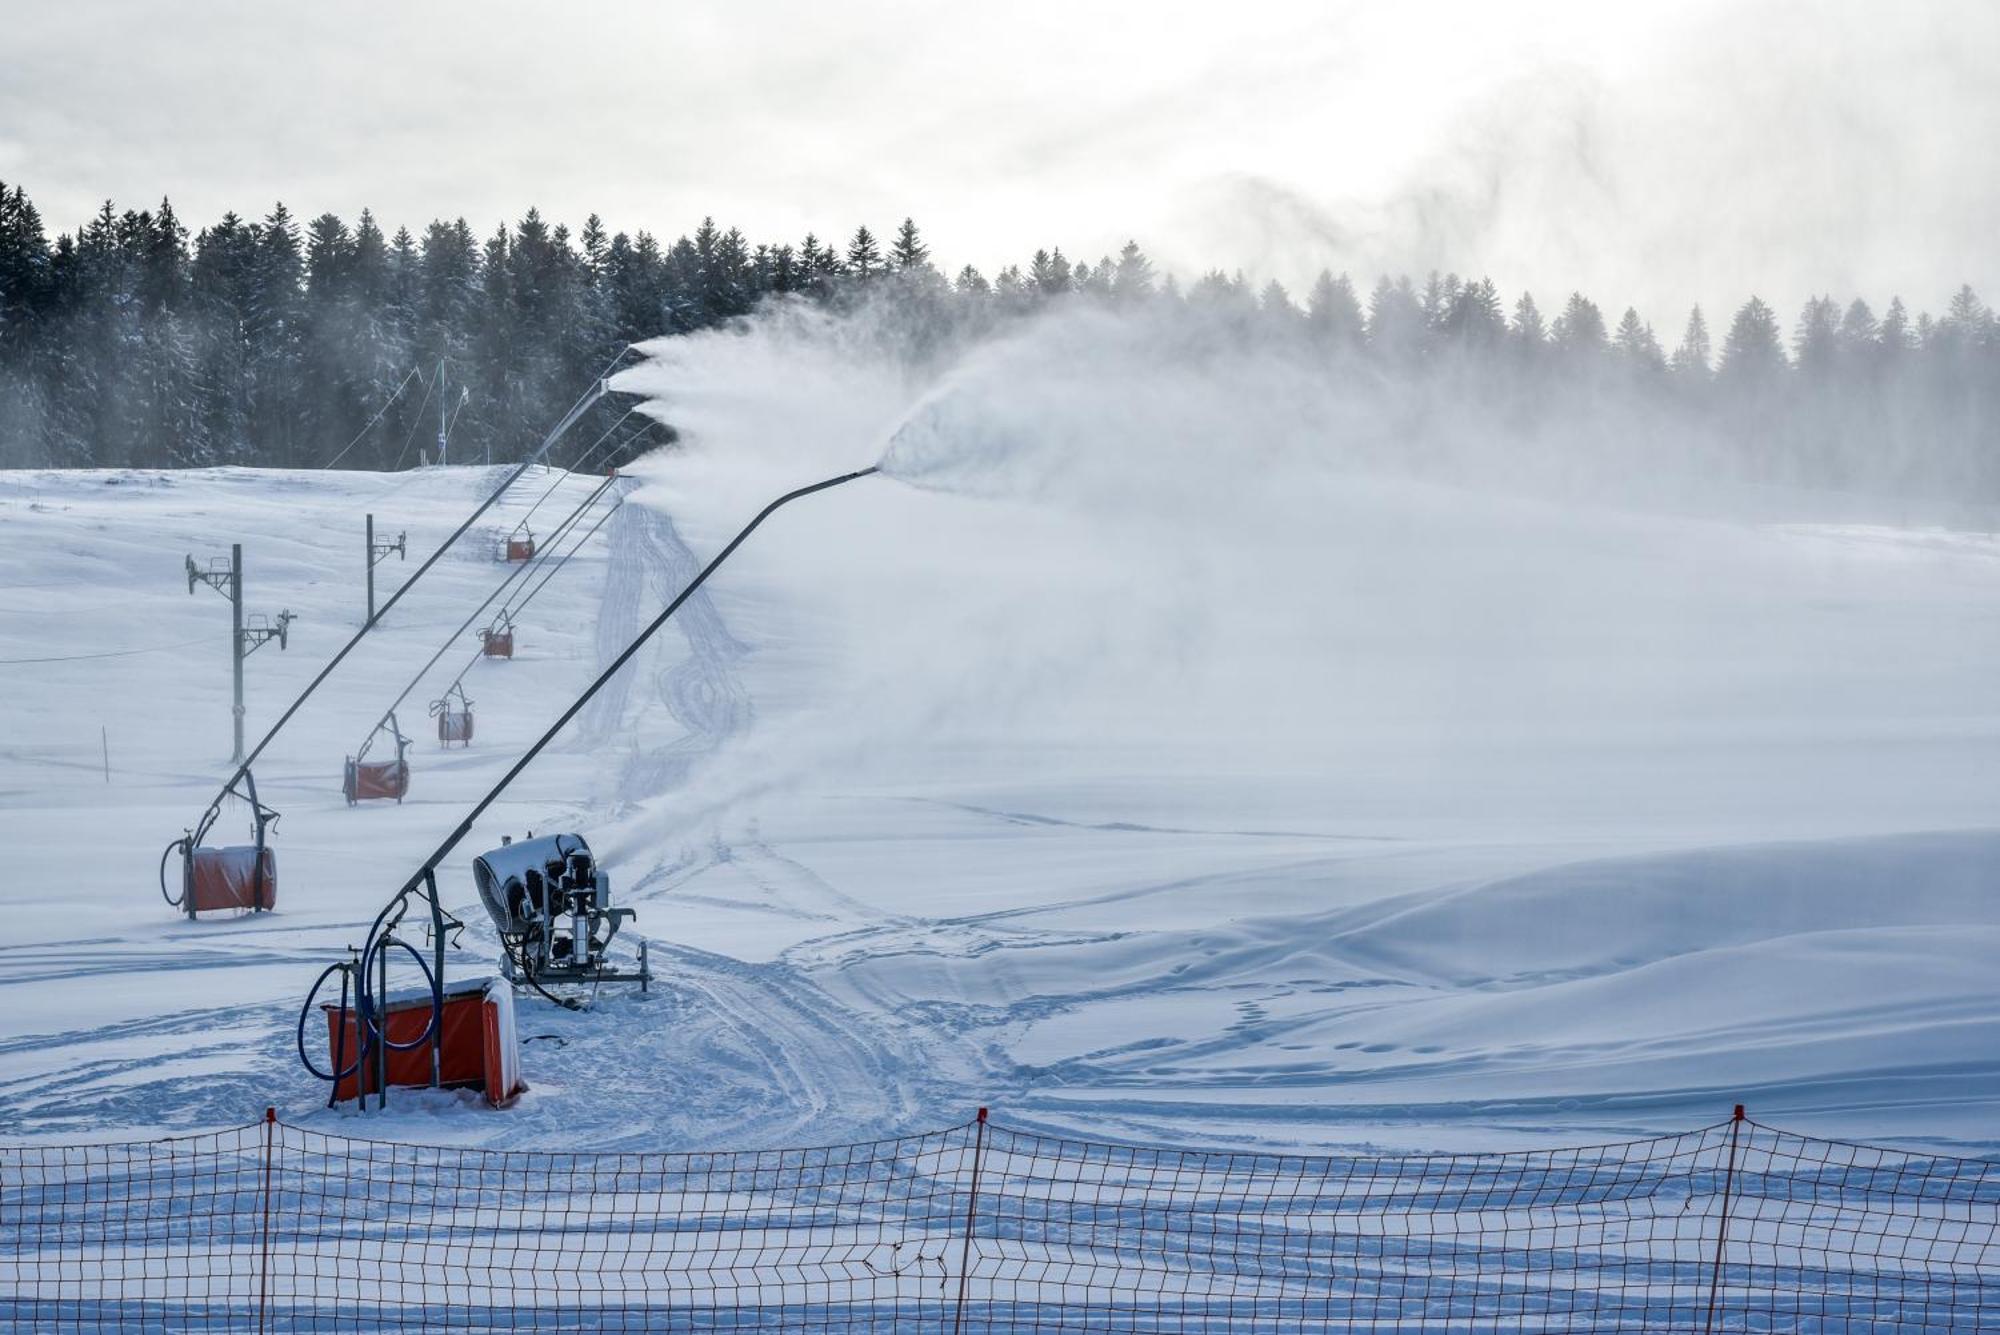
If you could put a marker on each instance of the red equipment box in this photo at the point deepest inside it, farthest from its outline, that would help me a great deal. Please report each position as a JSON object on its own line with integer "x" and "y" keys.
{"x": 479, "y": 1051}
{"x": 237, "y": 877}
{"x": 377, "y": 778}
{"x": 520, "y": 549}
{"x": 497, "y": 643}
{"x": 455, "y": 725}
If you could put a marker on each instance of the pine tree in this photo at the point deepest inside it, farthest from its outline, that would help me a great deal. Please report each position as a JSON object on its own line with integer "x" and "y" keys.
{"x": 1333, "y": 314}
{"x": 1049, "y": 273}
{"x": 1475, "y": 318}
{"x": 1859, "y": 331}
{"x": 1693, "y": 359}
{"x": 1751, "y": 353}
{"x": 1636, "y": 345}
{"x": 1578, "y": 333}
{"x": 1896, "y": 337}
{"x": 908, "y": 253}
{"x": 1275, "y": 305}
{"x": 1395, "y": 320}
{"x": 864, "y": 257}
{"x": 1132, "y": 281}
{"x": 1527, "y": 328}
{"x": 1816, "y": 339}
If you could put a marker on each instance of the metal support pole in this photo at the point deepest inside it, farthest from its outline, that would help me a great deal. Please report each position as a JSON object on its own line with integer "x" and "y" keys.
{"x": 382, "y": 1026}
{"x": 437, "y": 978}
{"x": 236, "y": 640}
{"x": 371, "y": 569}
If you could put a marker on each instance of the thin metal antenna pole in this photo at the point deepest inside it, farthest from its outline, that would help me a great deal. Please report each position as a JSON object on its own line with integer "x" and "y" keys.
{"x": 236, "y": 641}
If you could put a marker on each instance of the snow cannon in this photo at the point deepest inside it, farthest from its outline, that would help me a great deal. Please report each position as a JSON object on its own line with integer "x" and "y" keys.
{"x": 497, "y": 640}
{"x": 365, "y": 779}
{"x": 235, "y": 876}
{"x": 454, "y": 716}
{"x": 551, "y": 904}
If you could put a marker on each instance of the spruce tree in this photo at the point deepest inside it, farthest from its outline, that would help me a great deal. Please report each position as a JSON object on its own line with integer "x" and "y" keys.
{"x": 864, "y": 257}
{"x": 908, "y": 253}
{"x": 1693, "y": 358}
{"x": 1132, "y": 280}
{"x": 1751, "y": 353}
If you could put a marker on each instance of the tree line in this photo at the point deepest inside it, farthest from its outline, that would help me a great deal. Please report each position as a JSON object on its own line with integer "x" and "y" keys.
{"x": 135, "y": 342}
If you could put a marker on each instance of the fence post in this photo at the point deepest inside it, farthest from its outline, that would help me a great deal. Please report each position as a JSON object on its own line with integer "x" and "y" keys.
{"x": 1722, "y": 1227}
{"x": 264, "y": 1247}
{"x": 971, "y": 1212}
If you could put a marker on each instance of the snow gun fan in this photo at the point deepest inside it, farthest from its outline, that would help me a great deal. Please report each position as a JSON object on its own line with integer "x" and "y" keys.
{"x": 238, "y": 876}
{"x": 551, "y": 904}
{"x": 453, "y": 711}
{"x": 365, "y": 779}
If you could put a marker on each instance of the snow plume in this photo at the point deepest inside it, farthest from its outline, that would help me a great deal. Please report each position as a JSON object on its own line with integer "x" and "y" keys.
{"x": 1119, "y": 552}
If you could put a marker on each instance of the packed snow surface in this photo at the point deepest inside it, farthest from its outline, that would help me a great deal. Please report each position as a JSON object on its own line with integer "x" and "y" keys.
{"x": 1303, "y": 806}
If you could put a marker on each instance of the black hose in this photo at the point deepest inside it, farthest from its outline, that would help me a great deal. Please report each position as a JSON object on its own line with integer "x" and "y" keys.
{"x": 305, "y": 1013}
{"x": 173, "y": 901}
{"x": 368, "y": 1006}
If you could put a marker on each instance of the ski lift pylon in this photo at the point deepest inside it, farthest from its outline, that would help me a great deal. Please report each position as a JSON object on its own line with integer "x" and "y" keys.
{"x": 365, "y": 779}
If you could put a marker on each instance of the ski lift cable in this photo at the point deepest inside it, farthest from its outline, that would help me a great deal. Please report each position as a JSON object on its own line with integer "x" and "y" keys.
{"x": 598, "y": 390}
{"x": 595, "y": 451}
{"x": 516, "y": 608}
{"x": 570, "y": 471}
{"x": 386, "y": 404}
{"x": 519, "y": 572}
{"x": 451, "y": 423}
{"x": 417, "y": 418}
{"x": 429, "y": 868}
{"x": 116, "y": 653}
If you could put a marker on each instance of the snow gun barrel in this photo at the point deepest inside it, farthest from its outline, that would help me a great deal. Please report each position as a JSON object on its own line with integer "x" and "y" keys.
{"x": 583, "y": 405}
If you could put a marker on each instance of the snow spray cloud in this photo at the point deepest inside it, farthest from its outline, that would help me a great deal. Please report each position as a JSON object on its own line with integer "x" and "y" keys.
{"x": 1135, "y": 551}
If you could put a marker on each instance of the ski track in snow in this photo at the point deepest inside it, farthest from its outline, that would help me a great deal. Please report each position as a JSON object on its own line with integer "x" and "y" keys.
{"x": 1179, "y": 975}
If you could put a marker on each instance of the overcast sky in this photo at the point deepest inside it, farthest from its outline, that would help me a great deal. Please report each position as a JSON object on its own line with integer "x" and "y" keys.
{"x": 1650, "y": 152}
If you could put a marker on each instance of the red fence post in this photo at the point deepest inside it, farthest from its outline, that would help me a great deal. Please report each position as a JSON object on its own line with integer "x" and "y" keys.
{"x": 264, "y": 1248}
{"x": 971, "y": 1210}
{"x": 1722, "y": 1227}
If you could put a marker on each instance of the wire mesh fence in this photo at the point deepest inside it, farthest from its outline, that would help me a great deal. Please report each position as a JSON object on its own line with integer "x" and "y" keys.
{"x": 978, "y": 1228}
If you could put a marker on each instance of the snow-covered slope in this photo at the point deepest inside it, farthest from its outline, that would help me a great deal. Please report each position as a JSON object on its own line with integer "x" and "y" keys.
{"x": 1368, "y": 810}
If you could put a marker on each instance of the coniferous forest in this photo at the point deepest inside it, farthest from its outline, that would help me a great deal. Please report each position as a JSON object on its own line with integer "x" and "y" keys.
{"x": 136, "y": 341}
